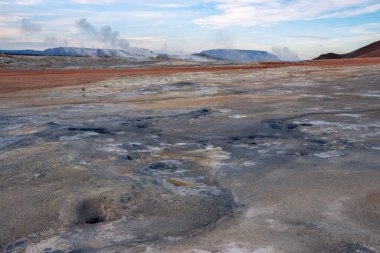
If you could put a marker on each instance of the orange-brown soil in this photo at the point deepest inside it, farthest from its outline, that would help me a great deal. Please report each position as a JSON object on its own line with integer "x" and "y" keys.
{"x": 16, "y": 79}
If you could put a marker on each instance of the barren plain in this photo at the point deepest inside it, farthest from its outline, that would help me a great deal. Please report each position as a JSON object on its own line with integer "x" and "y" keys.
{"x": 269, "y": 158}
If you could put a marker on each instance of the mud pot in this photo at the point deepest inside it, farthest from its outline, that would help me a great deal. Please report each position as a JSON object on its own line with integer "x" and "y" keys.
{"x": 264, "y": 160}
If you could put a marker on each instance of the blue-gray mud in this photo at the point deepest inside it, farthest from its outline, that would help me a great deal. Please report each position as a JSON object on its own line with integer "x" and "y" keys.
{"x": 274, "y": 160}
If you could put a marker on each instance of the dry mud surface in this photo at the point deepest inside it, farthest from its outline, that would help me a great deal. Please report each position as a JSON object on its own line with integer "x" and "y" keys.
{"x": 260, "y": 160}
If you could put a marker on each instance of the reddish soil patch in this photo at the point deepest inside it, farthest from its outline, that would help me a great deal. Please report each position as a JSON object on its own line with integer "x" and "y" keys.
{"x": 14, "y": 80}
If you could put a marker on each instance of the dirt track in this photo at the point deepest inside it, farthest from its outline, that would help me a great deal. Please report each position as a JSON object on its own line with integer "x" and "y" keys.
{"x": 14, "y": 80}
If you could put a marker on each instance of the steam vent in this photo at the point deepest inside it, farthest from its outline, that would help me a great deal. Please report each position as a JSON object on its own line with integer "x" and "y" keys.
{"x": 189, "y": 126}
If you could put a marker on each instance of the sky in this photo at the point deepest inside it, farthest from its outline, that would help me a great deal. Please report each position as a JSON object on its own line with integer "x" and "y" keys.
{"x": 292, "y": 29}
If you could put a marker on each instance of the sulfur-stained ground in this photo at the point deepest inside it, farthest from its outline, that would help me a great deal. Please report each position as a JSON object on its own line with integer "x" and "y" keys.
{"x": 245, "y": 160}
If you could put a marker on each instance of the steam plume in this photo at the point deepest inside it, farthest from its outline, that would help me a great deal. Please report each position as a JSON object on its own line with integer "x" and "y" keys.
{"x": 285, "y": 54}
{"x": 105, "y": 35}
{"x": 29, "y": 26}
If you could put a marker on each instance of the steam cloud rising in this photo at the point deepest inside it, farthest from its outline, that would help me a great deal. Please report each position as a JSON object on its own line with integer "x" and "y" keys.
{"x": 29, "y": 26}
{"x": 105, "y": 35}
{"x": 285, "y": 54}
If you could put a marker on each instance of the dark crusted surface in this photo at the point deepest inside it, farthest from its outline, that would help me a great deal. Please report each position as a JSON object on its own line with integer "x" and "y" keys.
{"x": 276, "y": 160}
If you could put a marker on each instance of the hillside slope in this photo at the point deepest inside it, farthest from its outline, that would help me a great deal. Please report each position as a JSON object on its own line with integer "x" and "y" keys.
{"x": 371, "y": 50}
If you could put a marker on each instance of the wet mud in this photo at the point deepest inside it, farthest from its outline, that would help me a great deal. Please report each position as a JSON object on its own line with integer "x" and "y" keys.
{"x": 257, "y": 160}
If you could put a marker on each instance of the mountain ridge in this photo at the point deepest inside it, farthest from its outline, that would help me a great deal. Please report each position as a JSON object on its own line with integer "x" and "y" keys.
{"x": 84, "y": 52}
{"x": 371, "y": 50}
{"x": 238, "y": 55}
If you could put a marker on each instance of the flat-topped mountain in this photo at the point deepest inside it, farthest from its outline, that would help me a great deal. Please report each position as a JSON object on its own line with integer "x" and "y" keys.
{"x": 236, "y": 55}
{"x": 85, "y": 52}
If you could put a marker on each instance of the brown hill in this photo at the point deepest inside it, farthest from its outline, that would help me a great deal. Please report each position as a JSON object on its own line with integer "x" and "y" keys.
{"x": 371, "y": 50}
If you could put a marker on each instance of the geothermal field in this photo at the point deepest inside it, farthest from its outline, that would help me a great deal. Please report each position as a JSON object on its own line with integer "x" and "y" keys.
{"x": 178, "y": 156}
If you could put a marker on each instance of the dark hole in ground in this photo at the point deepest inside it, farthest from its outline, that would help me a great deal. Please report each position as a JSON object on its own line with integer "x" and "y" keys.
{"x": 191, "y": 115}
{"x": 96, "y": 210}
{"x": 94, "y": 220}
{"x": 90, "y": 129}
{"x": 139, "y": 123}
{"x": 318, "y": 141}
{"x": 275, "y": 126}
{"x": 52, "y": 124}
{"x": 162, "y": 166}
{"x": 306, "y": 124}
{"x": 125, "y": 157}
{"x": 280, "y": 126}
{"x": 183, "y": 84}
{"x": 292, "y": 126}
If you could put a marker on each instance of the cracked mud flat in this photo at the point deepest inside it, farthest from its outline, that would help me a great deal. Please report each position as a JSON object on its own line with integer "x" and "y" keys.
{"x": 255, "y": 160}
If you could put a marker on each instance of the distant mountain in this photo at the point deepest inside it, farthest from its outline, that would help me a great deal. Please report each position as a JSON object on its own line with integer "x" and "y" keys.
{"x": 235, "y": 55}
{"x": 21, "y": 52}
{"x": 371, "y": 50}
{"x": 85, "y": 52}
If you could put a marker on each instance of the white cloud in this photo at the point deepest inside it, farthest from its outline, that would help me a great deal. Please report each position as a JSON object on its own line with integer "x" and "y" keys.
{"x": 370, "y": 28}
{"x": 354, "y": 12}
{"x": 93, "y": 2}
{"x": 169, "y": 5}
{"x": 21, "y": 2}
{"x": 263, "y": 13}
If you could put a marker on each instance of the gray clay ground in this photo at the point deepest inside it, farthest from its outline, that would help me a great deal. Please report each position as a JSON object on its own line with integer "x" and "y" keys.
{"x": 279, "y": 160}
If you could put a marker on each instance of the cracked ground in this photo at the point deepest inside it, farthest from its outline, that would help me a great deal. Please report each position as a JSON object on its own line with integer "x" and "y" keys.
{"x": 244, "y": 160}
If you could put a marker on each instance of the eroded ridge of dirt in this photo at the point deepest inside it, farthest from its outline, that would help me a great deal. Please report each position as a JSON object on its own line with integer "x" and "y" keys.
{"x": 213, "y": 160}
